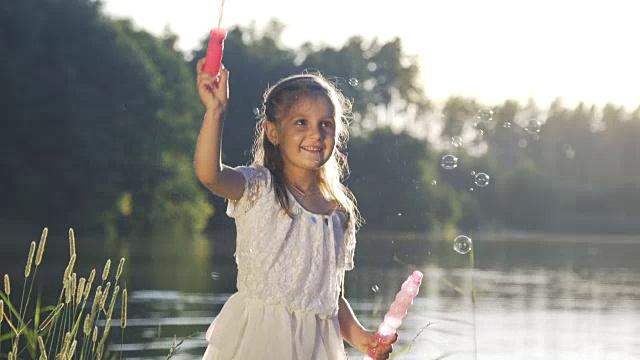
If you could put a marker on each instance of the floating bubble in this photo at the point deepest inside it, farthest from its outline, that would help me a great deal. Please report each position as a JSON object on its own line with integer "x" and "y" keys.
{"x": 473, "y": 173}
{"x": 479, "y": 132}
{"x": 484, "y": 115}
{"x": 256, "y": 111}
{"x": 471, "y": 189}
{"x": 449, "y": 162}
{"x": 215, "y": 275}
{"x": 595, "y": 127}
{"x": 434, "y": 183}
{"x": 375, "y": 288}
{"x": 569, "y": 153}
{"x": 506, "y": 125}
{"x": 399, "y": 214}
{"x": 462, "y": 244}
{"x": 481, "y": 179}
{"x": 456, "y": 141}
{"x": 533, "y": 126}
{"x": 353, "y": 82}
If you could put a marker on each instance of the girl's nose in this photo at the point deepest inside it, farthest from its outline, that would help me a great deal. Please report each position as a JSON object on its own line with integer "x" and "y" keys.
{"x": 318, "y": 132}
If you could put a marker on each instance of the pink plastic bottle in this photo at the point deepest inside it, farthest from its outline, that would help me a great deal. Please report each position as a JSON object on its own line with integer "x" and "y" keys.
{"x": 397, "y": 311}
{"x": 214, "y": 51}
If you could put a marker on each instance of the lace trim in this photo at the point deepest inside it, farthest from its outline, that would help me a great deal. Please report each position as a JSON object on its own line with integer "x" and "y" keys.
{"x": 256, "y": 181}
{"x": 349, "y": 247}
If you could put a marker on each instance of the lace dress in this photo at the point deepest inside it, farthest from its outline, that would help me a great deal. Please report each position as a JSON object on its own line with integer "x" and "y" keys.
{"x": 289, "y": 277}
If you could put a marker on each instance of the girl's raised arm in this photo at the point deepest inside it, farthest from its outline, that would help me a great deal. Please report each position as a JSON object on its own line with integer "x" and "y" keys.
{"x": 217, "y": 177}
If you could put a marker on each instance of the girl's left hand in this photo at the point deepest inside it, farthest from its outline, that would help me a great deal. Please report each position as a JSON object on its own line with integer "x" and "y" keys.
{"x": 382, "y": 350}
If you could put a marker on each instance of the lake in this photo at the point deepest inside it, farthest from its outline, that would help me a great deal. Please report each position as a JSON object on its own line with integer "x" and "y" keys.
{"x": 537, "y": 296}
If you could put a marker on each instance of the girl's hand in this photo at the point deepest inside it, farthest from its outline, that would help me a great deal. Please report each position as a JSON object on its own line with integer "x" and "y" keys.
{"x": 213, "y": 91}
{"x": 382, "y": 350}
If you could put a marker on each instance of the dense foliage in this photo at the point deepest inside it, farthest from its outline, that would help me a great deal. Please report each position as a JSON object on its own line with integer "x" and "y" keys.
{"x": 100, "y": 121}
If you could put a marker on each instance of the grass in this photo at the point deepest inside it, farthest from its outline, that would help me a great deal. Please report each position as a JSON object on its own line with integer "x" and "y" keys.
{"x": 69, "y": 329}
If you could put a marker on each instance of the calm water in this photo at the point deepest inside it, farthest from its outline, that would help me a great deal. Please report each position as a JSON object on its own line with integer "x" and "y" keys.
{"x": 554, "y": 297}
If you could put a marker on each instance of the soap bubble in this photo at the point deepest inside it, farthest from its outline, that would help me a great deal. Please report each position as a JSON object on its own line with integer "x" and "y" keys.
{"x": 473, "y": 173}
{"x": 449, "y": 162}
{"x": 433, "y": 182}
{"x": 471, "y": 189}
{"x": 456, "y": 141}
{"x": 481, "y": 179}
{"x": 215, "y": 275}
{"x": 353, "y": 82}
{"x": 506, "y": 125}
{"x": 256, "y": 111}
{"x": 375, "y": 288}
{"x": 399, "y": 214}
{"x": 569, "y": 153}
{"x": 462, "y": 244}
{"x": 533, "y": 126}
{"x": 484, "y": 115}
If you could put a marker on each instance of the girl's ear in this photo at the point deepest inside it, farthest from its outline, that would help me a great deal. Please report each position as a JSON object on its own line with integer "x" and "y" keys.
{"x": 272, "y": 132}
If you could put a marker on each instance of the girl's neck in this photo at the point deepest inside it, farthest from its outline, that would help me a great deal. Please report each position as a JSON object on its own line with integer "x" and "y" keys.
{"x": 303, "y": 183}
{"x": 304, "y": 194}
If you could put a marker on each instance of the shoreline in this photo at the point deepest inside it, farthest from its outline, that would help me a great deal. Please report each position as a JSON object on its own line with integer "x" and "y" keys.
{"x": 508, "y": 236}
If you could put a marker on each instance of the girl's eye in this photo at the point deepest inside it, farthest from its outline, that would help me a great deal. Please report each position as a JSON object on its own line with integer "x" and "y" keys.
{"x": 328, "y": 124}
{"x": 301, "y": 122}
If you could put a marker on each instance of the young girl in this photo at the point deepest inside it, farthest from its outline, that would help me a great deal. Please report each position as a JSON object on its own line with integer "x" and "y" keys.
{"x": 295, "y": 221}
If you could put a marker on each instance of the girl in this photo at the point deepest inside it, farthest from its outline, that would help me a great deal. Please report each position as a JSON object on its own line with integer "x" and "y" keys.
{"x": 295, "y": 222}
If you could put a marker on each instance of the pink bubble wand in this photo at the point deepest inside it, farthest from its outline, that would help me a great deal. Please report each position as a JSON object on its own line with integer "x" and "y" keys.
{"x": 397, "y": 311}
{"x": 215, "y": 48}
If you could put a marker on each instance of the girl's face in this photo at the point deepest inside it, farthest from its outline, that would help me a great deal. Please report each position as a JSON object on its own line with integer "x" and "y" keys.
{"x": 306, "y": 135}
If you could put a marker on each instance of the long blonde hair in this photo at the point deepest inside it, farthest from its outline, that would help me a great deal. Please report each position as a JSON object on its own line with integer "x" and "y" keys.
{"x": 278, "y": 100}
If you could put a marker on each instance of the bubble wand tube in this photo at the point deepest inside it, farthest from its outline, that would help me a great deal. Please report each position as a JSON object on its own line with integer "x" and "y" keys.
{"x": 215, "y": 47}
{"x": 397, "y": 311}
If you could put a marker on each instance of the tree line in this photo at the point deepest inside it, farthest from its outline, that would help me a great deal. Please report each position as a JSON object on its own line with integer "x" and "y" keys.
{"x": 100, "y": 122}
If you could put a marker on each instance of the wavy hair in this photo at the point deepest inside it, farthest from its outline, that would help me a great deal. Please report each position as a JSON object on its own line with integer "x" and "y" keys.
{"x": 277, "y": 101}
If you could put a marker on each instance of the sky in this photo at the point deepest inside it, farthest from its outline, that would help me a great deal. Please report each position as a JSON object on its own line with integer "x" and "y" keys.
{"x": 490, "y": 50}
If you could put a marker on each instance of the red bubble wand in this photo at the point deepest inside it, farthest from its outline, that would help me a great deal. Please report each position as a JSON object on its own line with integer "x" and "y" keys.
{"x": 215, "y": 47}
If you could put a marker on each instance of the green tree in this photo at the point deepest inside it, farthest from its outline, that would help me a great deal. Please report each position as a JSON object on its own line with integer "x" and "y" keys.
{"x": 99, "y": 124}
{"x": 395, "y": 179}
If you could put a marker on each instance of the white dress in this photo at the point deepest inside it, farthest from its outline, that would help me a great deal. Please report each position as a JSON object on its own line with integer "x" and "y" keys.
{"x": 289, "y": 277}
